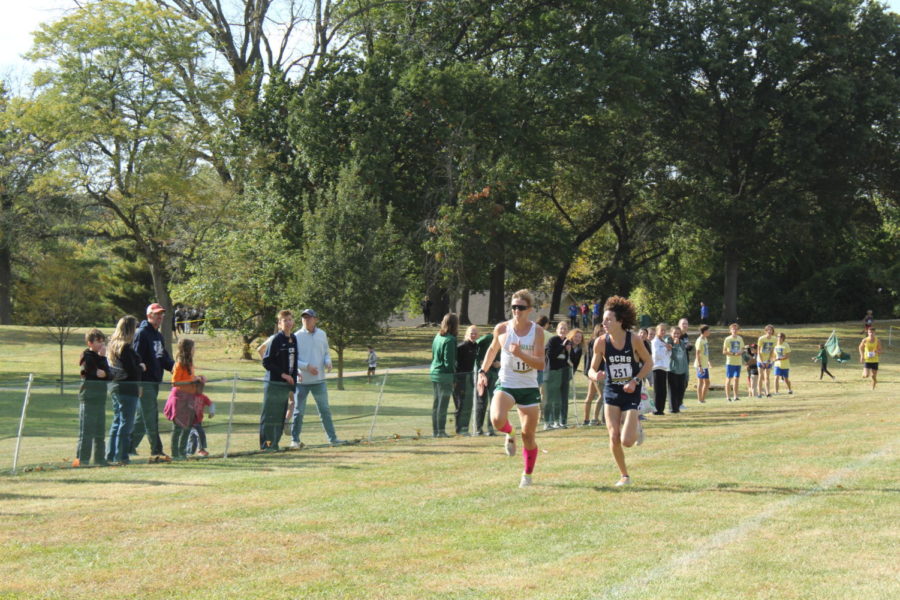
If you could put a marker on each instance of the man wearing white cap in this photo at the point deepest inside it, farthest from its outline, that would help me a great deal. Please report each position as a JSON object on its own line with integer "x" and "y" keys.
{"x": 313, "y": 359}
{"x": 149, "y": 345}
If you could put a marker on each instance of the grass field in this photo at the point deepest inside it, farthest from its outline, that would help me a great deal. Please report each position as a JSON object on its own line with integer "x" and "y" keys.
{"x": 786, "y": 497}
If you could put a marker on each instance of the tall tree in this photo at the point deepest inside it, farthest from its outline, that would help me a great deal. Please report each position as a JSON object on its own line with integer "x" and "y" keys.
{"x": 24, "y": 214}
{"x": 353, "y": 267}
{"x": 121, "y": 134}
{"x": 61, "y": 294}
{"x": 767, "y": 108}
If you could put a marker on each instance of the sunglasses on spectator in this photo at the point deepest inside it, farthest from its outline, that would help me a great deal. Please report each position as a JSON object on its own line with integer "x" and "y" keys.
{"x": 519, "y": 307}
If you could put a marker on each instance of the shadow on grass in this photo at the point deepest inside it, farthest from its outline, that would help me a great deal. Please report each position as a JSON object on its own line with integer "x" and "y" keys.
{"x": 724, "y": 487}
{"x": 8, "y": 496}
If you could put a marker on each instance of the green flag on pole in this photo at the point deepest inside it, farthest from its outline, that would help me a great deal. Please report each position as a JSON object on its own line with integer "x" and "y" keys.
{"x": 833, "y": 348}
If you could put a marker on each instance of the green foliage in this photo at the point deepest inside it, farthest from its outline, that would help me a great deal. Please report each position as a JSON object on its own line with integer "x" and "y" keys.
{"x": 241, "y": 274}
{"x": 353, "y": 265}
{"x": 62, "y": 294}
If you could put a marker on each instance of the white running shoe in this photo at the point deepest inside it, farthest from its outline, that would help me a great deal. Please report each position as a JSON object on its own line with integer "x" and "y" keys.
{"x": 640, "y": 437}
{"x": 296, "y": 445}
{"x": 510, "y": 445}
{"x": 625, "y": 480}
{"x": 526, "y": 481}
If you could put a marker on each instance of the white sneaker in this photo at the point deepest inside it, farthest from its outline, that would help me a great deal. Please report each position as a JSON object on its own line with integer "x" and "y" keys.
{"x": 526, "y": 481}
{"x": 296, "y": 445}
{"x": 510, "y": 445}
{"x": 625, "y": 480}
{"x": 640, "y": 437}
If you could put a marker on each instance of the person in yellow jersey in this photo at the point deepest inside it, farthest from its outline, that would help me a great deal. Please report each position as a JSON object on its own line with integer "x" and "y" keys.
{"x": 783, "y": 363}
{"x": 701, "y": 363}
{"x": 732, "y": 348}
{"x": 869, "y": 352}
{"x": 765, "y": 357}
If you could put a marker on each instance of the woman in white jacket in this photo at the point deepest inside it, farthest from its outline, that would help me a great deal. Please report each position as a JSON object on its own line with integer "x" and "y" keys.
{"x": 662, "y": 354}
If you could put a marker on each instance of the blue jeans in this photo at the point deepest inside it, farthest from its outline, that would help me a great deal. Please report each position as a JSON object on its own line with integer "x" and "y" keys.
{"x": 124, "y": 408}
{"x": 320, "y": 395}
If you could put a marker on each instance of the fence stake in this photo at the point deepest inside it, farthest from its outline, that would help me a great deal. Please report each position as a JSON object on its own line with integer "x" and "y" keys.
{"x": 22, "y": 423}
{"x": 378, "y": 404}
{"x": 230, "y": 414}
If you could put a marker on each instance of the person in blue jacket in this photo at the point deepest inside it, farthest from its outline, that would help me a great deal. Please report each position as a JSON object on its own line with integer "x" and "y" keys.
{"x": 150, "y": 347}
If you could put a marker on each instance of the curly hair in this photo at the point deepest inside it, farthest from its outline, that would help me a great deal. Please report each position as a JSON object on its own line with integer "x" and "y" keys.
{"x": 624, "y": 310}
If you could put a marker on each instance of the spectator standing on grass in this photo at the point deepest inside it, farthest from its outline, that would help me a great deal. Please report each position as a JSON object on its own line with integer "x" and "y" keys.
{"x": 595, "y": 316}
{"x": 783, "y": 363}
{"x": 520, "y": 343}
{"x": 556, "y": 380}
{"x": 125, "y": 389}
{"x": 732, "y": 348}
{"x": 372, "y": 362}
{"x": 577, "y": 351}
{"x": 585, "y": 315}
{"x": 443, "y": 372}
{"x": 573, "y": 315}
{"x": 662, "y": 358}
{"x": 426, "y": 309}
{"x": 178, "y": 321}
{"x": 181, "y": 407}
{"x": 822, "y": 358}
{"x": 92, "y": 400}
{"x": 701, "y": 363}
{"x": 616, "y": 356}
{"x": 313, "y": 360}
{"x": 464, "y": 382}
{"x": 150, "y": 347}
{"x": 197, "y": 438}
{"x": 749, "y": 359}
{"x": 686, "y": 337}
{"x": 704, "y": 313}
{"x": 280, "y": 362}
{"x": 765, "y": 359}
{"x": 483, "y": 397}
{"x": 869, "y": 354}
{"x": 593, "y": 392}
{"x": 678, "y": 370}
{"x": 868, "y": 321}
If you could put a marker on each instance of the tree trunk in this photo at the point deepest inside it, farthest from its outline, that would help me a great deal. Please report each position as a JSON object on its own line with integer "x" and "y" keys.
{"x": 245, "y": 347}
{"x": 729, "y": 303}
{"x": 5, "y": 286}
{"x": 161, "y": 290}
{"x": 497, "y": 299}
{"x": 62, "y": 343}
{"x": 558, "y": 286}
{"x": 340, "y": 353}
{"x": 464, "y": 308}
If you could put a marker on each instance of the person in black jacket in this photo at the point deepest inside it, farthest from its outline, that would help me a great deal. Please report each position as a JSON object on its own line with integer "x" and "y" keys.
{"x": 150, "y": 347}
{"x": 556, "y": 378}
{"x": 280, "y": 361}
{"x": 464, "y": 386}
{"x": 92, "y": 400}
{"x": 125, "y": 388}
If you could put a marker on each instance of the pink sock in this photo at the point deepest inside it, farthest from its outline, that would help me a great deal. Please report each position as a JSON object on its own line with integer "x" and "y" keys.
{"x": 506, "y": 428}
{"x": 530, "y": 457}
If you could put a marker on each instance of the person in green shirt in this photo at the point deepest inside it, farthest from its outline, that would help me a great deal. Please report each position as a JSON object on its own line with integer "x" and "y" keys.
{"x": 443, "y": 372}
{"x": 678, "y": 370}
{"x": 822, "y": 358}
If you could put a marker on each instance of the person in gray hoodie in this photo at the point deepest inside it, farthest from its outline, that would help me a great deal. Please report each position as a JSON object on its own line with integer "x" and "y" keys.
{"x": 313, "y": 360}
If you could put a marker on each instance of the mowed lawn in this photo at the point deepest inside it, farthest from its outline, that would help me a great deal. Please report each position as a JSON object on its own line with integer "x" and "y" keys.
{"x": 784, "y": 497}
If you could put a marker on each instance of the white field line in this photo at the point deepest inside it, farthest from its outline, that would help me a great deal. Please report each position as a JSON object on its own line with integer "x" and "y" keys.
{"x": 637, "y": 587}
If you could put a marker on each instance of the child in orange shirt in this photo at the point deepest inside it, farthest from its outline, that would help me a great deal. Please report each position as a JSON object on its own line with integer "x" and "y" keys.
{"x": 181, "y": 405}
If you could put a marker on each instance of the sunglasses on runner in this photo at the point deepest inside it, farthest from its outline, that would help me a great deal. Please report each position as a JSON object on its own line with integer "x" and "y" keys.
{"x": 519, "y": 307}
